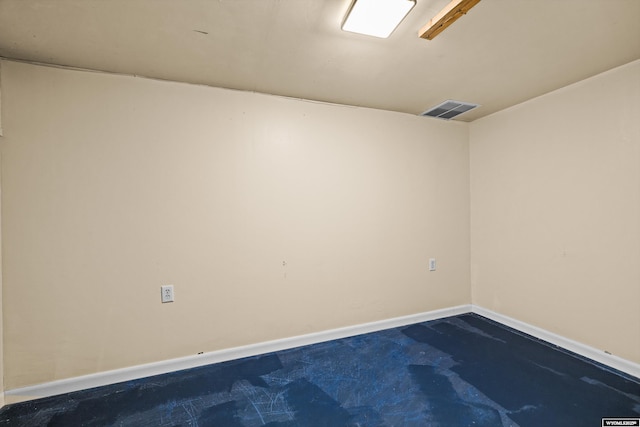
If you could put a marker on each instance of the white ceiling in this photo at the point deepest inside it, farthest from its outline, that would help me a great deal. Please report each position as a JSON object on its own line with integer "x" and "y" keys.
{"x": 501, "y": 53}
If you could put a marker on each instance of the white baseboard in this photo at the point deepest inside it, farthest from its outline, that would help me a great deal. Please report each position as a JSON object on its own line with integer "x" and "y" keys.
{"x": 172, "y": 365}
{"x": 141, "y": 371}
{"x": 592, "y": 353}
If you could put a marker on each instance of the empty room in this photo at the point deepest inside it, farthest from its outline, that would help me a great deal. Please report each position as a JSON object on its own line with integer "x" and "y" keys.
{"x": 320, "y": 213}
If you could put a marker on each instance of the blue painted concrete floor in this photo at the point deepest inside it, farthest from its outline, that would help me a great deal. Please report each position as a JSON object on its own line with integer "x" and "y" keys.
{"x": 458, "y": 371}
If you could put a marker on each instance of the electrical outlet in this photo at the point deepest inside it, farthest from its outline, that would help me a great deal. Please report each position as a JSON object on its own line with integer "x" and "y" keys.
{"x": 432, "y": 264}
{"x": 167, "y": 293}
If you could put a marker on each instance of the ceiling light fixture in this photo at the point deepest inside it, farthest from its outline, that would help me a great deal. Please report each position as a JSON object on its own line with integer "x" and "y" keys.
{"x": 376, "y": 18}
{"x": 447, "y": 16}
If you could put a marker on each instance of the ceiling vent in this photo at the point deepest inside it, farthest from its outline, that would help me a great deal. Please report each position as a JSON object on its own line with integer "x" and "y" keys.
{"x": 449, "y": 109}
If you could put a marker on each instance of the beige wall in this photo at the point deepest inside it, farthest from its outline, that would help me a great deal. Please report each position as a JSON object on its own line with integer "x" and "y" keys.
{"x": 114, "y": 185}
{"x": 555, "y": 209}
{"x": 1, "y": 310}
{"x": 2, "y": 400}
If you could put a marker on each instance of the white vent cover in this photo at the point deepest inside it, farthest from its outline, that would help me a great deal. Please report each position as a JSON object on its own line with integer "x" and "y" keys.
{"x": 449, "y": 109}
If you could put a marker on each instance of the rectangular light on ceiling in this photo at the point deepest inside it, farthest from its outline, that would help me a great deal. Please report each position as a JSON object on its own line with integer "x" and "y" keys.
{"x": 376, "y": 18}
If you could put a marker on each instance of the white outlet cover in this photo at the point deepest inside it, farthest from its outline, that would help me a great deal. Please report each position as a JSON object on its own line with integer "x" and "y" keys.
{"x": 166, "y": 293}
{"x": 432, "y": 264}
